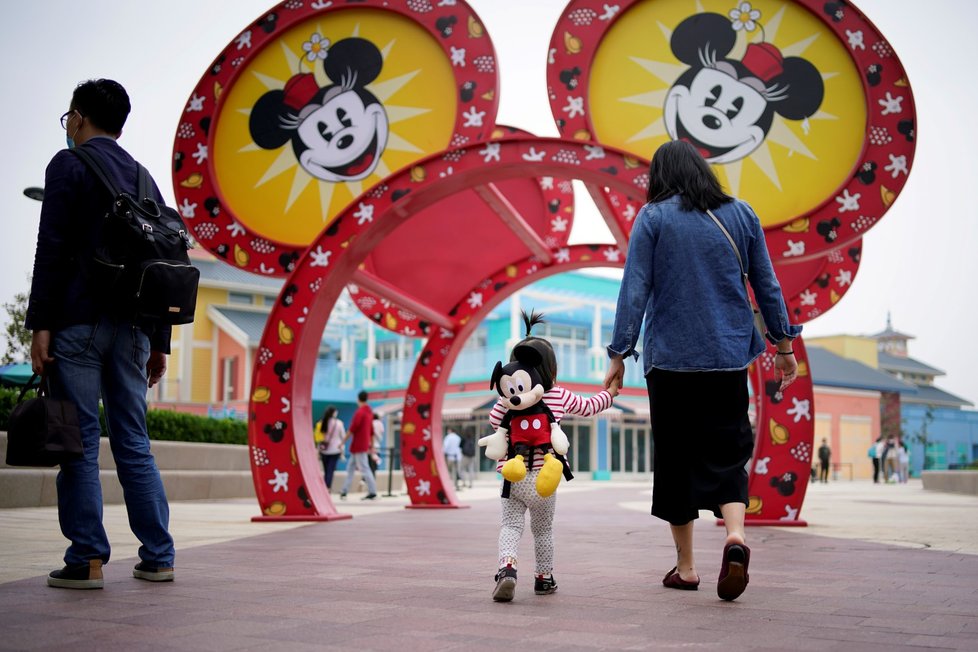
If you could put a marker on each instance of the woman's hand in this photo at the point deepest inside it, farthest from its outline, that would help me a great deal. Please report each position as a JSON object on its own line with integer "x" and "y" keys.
{"x": 615, "y": 375}
{"x": 786, "y": 368}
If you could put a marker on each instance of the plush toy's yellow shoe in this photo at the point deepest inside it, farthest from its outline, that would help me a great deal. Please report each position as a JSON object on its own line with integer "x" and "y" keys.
{"x": 549, "y": 476}
{"x": 514, "y": 470}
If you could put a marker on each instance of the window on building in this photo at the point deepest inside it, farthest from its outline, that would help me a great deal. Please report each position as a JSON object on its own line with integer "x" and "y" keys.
{"x": 229, "y": 379}
{"x": 241, "y": 298}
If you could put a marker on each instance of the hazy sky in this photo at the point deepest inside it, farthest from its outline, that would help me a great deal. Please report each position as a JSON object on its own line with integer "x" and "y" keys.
{"x": 918, "y": 263}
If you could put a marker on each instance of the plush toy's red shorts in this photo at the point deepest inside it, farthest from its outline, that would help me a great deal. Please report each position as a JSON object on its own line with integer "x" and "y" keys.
{"x": 532, "y": 429}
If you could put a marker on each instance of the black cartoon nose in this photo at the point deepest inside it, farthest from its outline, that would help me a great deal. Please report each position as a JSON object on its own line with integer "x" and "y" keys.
{"x": 711, "y": 121}
{"x": 515, "y": 400}
{"x": 347, "y": 140}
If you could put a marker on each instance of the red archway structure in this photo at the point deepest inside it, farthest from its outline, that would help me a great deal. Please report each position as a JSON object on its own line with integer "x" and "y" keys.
{"x": 257, "y": 207}
{"x": 785, "y": 426}
{"x": 421, "y": 419}
{"x": 608, "y": 86}
{"x": 539, "y": 219}
{"x": 290, "y": 63}
{"x": 280, "y": 434}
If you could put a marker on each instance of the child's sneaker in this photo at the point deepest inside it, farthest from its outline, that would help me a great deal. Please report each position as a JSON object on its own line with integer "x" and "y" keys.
{"x": 505, "y": 584}
{"x": 81, "y": 576}
{"x": 544, "y": 585}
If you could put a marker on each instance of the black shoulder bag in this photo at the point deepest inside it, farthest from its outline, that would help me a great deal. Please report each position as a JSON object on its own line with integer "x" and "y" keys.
{"x": 42, "y": 431}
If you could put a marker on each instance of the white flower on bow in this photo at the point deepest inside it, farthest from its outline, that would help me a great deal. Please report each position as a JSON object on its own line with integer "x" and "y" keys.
{"x": 744, "y": 17}
{"x": 316, "y": 47}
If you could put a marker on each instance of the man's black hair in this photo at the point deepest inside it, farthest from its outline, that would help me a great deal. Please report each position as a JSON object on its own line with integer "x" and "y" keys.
{"x": 677, "y": 168}
{"x": 104, "y": 102}
{"x": 362, "y": 396}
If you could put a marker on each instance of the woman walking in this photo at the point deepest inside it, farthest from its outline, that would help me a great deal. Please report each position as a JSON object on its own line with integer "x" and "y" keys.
{"x": 331, "y": 448}
{"x": 683, "y": 279}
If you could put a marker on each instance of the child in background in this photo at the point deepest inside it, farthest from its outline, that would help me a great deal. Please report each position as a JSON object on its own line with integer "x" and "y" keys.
{"x": 523, "y": 495}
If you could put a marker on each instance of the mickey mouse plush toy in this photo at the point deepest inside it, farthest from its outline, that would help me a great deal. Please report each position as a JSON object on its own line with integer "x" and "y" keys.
{"x": 529, "y": 425}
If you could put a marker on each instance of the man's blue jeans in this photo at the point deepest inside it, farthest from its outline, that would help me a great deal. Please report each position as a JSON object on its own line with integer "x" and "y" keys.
{"x": 108, "y": 359}
{"x": 359, "y": 462}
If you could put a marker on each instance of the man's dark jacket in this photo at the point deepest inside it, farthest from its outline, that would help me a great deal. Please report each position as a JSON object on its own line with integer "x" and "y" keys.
{"x": 74, "y": 208}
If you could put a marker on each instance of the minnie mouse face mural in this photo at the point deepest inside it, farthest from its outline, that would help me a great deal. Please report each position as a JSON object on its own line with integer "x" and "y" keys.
{"x": 725, "y": 107}
{"x": 338, "y": 132}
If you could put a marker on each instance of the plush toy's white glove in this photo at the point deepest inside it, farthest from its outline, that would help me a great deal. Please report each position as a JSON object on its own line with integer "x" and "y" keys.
{"x": 558, "y": 439}
{"x": 496, "y": 444}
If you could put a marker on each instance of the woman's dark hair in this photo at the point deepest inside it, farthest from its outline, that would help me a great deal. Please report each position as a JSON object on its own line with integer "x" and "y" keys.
{"x": 678, "y": 169}
{"x": 328, "y": 414}
{"x": 104, "y": 102}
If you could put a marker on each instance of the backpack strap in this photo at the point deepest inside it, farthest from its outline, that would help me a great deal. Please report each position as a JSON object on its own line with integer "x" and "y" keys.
{"x": 94, "y": 162}
{"x": 143, "y": 185}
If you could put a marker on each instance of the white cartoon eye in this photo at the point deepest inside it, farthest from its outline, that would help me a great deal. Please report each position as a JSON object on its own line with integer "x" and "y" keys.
{"x": 536, "y": 424}
{"x": 509, "y": 388}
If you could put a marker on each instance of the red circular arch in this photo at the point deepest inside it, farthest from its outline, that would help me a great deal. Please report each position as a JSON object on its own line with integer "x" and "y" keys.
{"x": 785, "y": 429}
{"x": 280, "y": 428}
{"x": 194, "y": 180}
{"x": 421, "y": 419}
{"x": 280, "y": 405}
{"x": 544, "y": 209}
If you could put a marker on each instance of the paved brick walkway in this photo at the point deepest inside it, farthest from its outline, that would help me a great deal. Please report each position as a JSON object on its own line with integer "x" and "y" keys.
{"x": 421, "y": 579}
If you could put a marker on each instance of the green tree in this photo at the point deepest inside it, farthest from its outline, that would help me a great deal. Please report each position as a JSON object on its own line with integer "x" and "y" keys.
{"x": 17, "y": 338}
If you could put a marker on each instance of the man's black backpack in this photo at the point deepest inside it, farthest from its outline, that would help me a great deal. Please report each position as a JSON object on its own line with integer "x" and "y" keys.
{"x": 142, "y": 264}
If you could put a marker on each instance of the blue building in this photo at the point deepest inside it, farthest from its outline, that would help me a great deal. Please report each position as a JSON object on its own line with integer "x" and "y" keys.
{"x": 942, "y": 434}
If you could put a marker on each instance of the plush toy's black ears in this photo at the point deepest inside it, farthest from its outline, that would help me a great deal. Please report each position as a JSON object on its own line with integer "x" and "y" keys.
{"x": 497, "y": 373}
{"x": 527, "y": 355}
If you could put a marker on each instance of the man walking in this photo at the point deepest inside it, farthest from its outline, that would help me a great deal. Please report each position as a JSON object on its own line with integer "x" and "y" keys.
{"x": 92, "y": 348}
{"x": 451, "y": 447}
{"x": 824, "y": 457}
{"x": 361, "y": 431}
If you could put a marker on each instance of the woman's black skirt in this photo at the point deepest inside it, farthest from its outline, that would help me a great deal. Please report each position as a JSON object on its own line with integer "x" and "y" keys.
{"x": 702, "y": 440}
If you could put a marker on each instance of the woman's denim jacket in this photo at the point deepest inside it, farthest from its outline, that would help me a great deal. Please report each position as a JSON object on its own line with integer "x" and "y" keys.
{"x": 683, "y": 279}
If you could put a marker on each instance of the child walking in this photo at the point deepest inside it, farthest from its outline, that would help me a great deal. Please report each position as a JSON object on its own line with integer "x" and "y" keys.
{"x": 520, "y": 497}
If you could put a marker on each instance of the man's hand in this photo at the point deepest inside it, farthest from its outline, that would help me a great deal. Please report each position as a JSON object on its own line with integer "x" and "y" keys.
{"x": 40, "y": 358}
{"x": 155, "y": 367}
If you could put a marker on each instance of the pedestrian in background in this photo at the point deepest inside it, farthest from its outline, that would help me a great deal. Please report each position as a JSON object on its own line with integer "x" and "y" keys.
{"x": 376, "y": 443}
{"x": 874, "y": 453}
{"x": 470, "y": 464}
{"x": 451, "y": 447}
{"x": 361, "y": 436}
{"x": 824, "y": 459}
{"x": 331, "y": 446}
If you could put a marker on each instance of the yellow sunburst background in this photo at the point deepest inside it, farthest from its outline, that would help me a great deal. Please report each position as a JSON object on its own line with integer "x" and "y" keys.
{"x": 799, "y": 165}
{"x": 267, "y": 190}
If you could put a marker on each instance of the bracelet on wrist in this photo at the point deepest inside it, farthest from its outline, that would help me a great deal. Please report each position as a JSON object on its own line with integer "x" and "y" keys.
{"x": 785, "y": 353}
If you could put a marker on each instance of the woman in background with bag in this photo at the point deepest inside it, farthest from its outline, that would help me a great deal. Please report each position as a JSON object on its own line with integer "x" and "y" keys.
{"x": 691, "y": 252}
{"x": 331, "y": 447}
